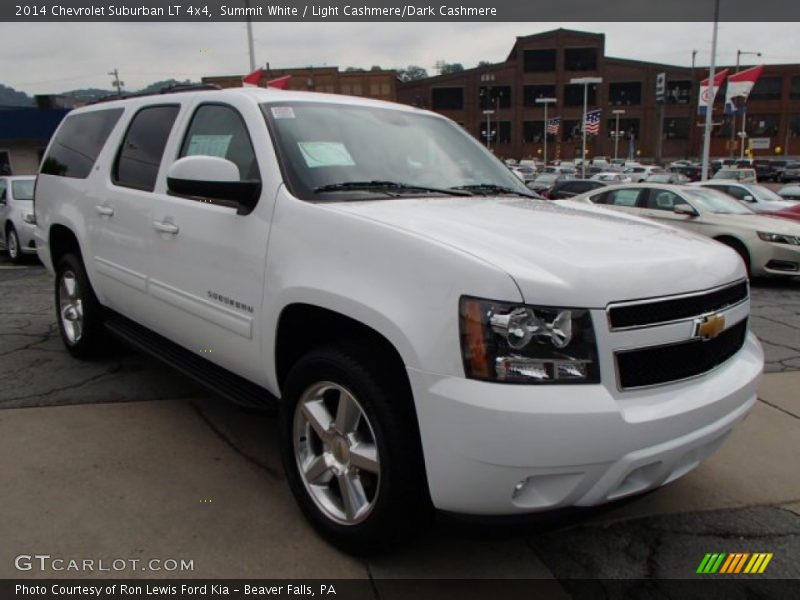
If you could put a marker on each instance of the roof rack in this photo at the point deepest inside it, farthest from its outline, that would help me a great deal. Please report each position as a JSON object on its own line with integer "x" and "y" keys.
{"x": 169, "y": 89}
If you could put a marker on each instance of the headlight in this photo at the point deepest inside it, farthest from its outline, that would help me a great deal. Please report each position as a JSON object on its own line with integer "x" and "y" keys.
{"x": 513, "y": 343}
{"x": 779, "y": 238}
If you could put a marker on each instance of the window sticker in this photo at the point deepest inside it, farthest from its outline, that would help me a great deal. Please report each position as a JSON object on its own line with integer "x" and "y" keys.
{"x": 209, "y": 145}
{"x": 282, "y": 112}
{"x": 325, "y": 154}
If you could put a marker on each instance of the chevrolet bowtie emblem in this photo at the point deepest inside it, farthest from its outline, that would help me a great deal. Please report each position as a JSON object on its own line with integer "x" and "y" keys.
{"x": 709, "y": 327}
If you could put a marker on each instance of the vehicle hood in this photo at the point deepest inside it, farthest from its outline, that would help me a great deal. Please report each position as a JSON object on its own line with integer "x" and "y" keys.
{"x": 761, "y": 222}
{"x": 563, "y": 253}
{"x": 765, "y": 205}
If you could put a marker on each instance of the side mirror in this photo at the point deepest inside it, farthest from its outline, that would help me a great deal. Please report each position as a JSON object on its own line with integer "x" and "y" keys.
{"x": 684, "y": 209}
{"x": 214, "y": 178}
{"x": 748, "y": 198}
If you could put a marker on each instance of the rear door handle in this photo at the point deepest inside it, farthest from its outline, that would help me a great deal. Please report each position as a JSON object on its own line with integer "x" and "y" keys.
{"x": 166, "y": 227}
{"x": 105, "y": 211}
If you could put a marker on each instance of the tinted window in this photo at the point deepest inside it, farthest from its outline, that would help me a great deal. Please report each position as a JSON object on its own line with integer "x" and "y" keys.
{"x": 532, "y": 92}
{"x": 625, "y": 93}
{"x": 140, "y": 155}
{"x": 539, "y": 60}
{"x": 623, "y": 197}
{"x": 5, "y": 163}
{"x": 663, "y": 200}
{"x": 496, "y": 96}
{"x": 573, "y": 94}
{"x": 580, "y": 59}
{"x": 451, "y": 98}
{"x": 78, "y": 142}
{"x": 2, "y": 190}
{"x": 218, "y": 130}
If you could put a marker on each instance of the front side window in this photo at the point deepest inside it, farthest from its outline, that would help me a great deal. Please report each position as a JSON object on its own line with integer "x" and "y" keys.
{"x": 622, "y": 197}
{"x": 22, "y": 189}
{"x": 326, "y": 144}
{"x": 78, "y": 143}
{"x": 139, "y": 157}
{"x": 218, "y": 130}
{"x": 663, "y": 200}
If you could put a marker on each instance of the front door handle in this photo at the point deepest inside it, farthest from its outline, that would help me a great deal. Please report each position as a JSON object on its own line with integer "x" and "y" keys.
{"x": 166, "y": 227}
{"x": 105, "y": 211}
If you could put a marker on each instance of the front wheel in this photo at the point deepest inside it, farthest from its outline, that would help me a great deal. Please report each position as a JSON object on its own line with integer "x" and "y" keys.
{"x": 351, "y": 450}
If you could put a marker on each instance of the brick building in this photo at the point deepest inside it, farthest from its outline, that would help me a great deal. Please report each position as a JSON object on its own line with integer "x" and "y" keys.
{"x": 542, "y": 65}
{"x": 378, "y": 84}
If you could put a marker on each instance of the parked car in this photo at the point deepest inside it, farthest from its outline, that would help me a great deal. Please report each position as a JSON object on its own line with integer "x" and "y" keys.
{"x": 542, "y": 183}
{"x": 793, "y": 213}
{"x": 673, "y": 178}
{"x": 779, "y": 166}
{"x": 433, "y": 335}
{"x": 768, "y": 246}
{"x": 764, "y": 169}
{"x": 740, "y": 175}
{"x": 789, "y": 192}
{"x": 757, "y": 197}
{"x": 16, "y": 216}
{"x": 691, "y": 172}
{"x": 572, "y": 187}
{"x": 566, "y": 169}
{"x": 641, "y": 172}
{"x": 526, "y": 173}
{"x": 791, "y": 172}
{"x": 611, "y": 177}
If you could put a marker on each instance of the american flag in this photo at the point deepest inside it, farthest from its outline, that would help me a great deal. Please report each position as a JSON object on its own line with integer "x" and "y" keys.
{"x": 592, "y": 122}
{"x": 553, "y": 126}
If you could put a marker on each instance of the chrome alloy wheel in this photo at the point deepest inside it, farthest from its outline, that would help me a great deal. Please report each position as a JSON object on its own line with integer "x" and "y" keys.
{"x": 70, "y": 307}
{"x": 13, "y": 245}
{"x": 336, "y": 453}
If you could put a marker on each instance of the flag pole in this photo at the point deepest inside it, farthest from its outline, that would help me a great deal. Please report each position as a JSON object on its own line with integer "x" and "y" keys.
{"x": 710, "y": 107}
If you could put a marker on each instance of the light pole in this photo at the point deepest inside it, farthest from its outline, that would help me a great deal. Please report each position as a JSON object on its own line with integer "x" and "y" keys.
{"x": 250, "y": 48}
{"x": 616, "y": 114}
{"x": 545, "y": 101}
{"x": 739, "y": 54}
{"x": 585, "y": 82}
{"x": 710, "y": 108}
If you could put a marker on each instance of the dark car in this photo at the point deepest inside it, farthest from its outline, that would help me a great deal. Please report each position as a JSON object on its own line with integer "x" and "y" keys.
{"x": 779, "y": 165}
{"x": 567, "y": 189}
{"x": 791, "y": 172}
{"x": 764, "y": 169}
{"x": 545, "y": 181}
{"x": 693, "y": 172}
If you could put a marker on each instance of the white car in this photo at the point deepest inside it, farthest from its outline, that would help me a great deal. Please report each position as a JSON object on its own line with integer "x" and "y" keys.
{"x": 434, "y": 336}
{"x": 769, "y": 246}
{"x": 16, "y": 216}
{"x": 611, "y": 177}
{"x": 639, "y": 173}
{"x": 740, "y": 175}
{"x": 757, "y": 197}
{"x": 790, "y": 192}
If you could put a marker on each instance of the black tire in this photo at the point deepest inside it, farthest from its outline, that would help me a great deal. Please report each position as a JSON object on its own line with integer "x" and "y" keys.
{"x": 740, "y": 249}
{"x": 13, "y": 249}
{"x": 91, "y": 339}
{"x": 401, "y": 503}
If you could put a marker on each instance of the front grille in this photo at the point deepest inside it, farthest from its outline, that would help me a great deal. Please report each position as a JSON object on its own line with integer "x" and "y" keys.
{"x": 673, "y": 362}
{"x": 676, "y": 309}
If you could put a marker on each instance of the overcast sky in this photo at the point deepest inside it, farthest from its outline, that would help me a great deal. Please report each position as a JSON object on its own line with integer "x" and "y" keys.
{"x": 40, "y": 58}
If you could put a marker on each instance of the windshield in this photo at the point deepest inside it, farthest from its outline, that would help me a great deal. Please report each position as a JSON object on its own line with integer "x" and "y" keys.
{"x": 764, "y": 194}
{"x": 379, "y": 153}
{"x": 716, "y": 202}
{"x": 22, "y": 189}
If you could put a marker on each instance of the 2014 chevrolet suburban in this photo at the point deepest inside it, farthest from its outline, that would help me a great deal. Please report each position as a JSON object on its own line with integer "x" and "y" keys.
{"x": 436, "y": 337}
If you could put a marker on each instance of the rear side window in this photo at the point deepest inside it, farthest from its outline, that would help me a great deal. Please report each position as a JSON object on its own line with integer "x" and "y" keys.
{"x": 621, "y": 197}
{"x": 78, "y": 142}
{"x": 139, "y": 156}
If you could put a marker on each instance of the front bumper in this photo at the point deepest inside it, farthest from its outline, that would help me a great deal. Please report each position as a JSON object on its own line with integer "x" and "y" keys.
{"x": 779, "y": 260}
{"x": 27, "y": 238}
{"x": 495, "y": 449}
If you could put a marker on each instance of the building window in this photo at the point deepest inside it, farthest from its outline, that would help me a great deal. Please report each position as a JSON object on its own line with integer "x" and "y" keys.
{"x": 625, "y": 93}
{"x": 356, "y": 89}
{"x": 345, "y": 87}
{"x": 496, "y": 96}
{"x": 573, "y": 94}
{"x": 724, "y": 129}
{"x": 532, "y": 92}
{"x": 571, "y": 131}
{"x": 451, "y": 98}
{"x": 679, "y": 92}
{"x": 500, "y": 132}
{"x": 580, "y": 59}
{"x": 676, "y": 128}
{"x": 762, "y": 125}
{"x": 627, "y": 128}
{"x": 794, "y": 93}
{"x": 532, "y": 132}
{"x": 385, "y": 89}
{"x": 5, "y": 163}
{"x": 794, "y": 125}
{"x": 539, "y": 61}
{"x": 374, "y": 89}
{"x": 767, "y": 88}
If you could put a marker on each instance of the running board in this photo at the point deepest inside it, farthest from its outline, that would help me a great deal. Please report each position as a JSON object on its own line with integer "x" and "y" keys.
{"x": 229, "y": 385}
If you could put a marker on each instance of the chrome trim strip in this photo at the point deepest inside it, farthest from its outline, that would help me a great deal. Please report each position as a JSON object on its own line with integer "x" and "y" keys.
{"x": 657, "y": 299}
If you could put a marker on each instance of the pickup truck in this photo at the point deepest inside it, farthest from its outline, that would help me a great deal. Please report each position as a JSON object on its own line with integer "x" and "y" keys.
{"x": 435, "y": 337}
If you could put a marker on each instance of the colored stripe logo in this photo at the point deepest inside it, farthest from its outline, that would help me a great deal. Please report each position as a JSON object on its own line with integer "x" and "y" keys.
{"x": 734, "y": 563}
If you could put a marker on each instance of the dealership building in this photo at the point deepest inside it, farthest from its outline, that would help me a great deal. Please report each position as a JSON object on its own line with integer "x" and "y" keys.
{"x": 500, "y": 99}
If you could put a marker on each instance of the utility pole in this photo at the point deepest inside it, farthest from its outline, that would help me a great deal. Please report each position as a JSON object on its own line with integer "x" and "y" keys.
{"x": 117, "y": 83}
{"x": 616, "y": 114}
{"x": 692, "y": 107}
{"x": 710, "y": 107}
{"x": 585, "y": 82}
{"x": 545, "y": 101}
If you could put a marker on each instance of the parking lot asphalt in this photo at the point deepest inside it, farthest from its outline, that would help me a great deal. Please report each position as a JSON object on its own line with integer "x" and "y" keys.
{"x": 125, "y": 458}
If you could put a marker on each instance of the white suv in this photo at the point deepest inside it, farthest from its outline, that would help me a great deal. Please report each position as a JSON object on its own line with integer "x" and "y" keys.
{"x": 436, "y": 336}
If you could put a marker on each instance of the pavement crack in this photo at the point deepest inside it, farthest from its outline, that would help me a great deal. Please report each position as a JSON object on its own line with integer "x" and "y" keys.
{"x": 274, "y": 473}
{"x": 372, "y": 583}
{"x": 776, "y": 407}
{"x": 63, "y": 388}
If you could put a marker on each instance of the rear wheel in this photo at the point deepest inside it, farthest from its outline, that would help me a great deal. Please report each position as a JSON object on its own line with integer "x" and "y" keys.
{"x": 78, "y": 311}
{"x": 351, "y": 450}
{"x": 13, "y": 249}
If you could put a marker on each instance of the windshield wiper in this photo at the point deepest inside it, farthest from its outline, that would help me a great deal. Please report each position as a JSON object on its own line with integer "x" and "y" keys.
{"x": 386, "y": 187}
{"x": 492, "y": 188}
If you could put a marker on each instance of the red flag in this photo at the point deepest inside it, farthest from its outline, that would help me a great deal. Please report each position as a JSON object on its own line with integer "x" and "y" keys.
{"x": 253, "y": 79}
{"x": 281, "y": 82}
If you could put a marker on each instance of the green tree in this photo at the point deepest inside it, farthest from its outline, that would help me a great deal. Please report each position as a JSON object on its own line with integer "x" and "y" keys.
{"x": 412, "y": 73}
{"x": 447, "y": 68}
